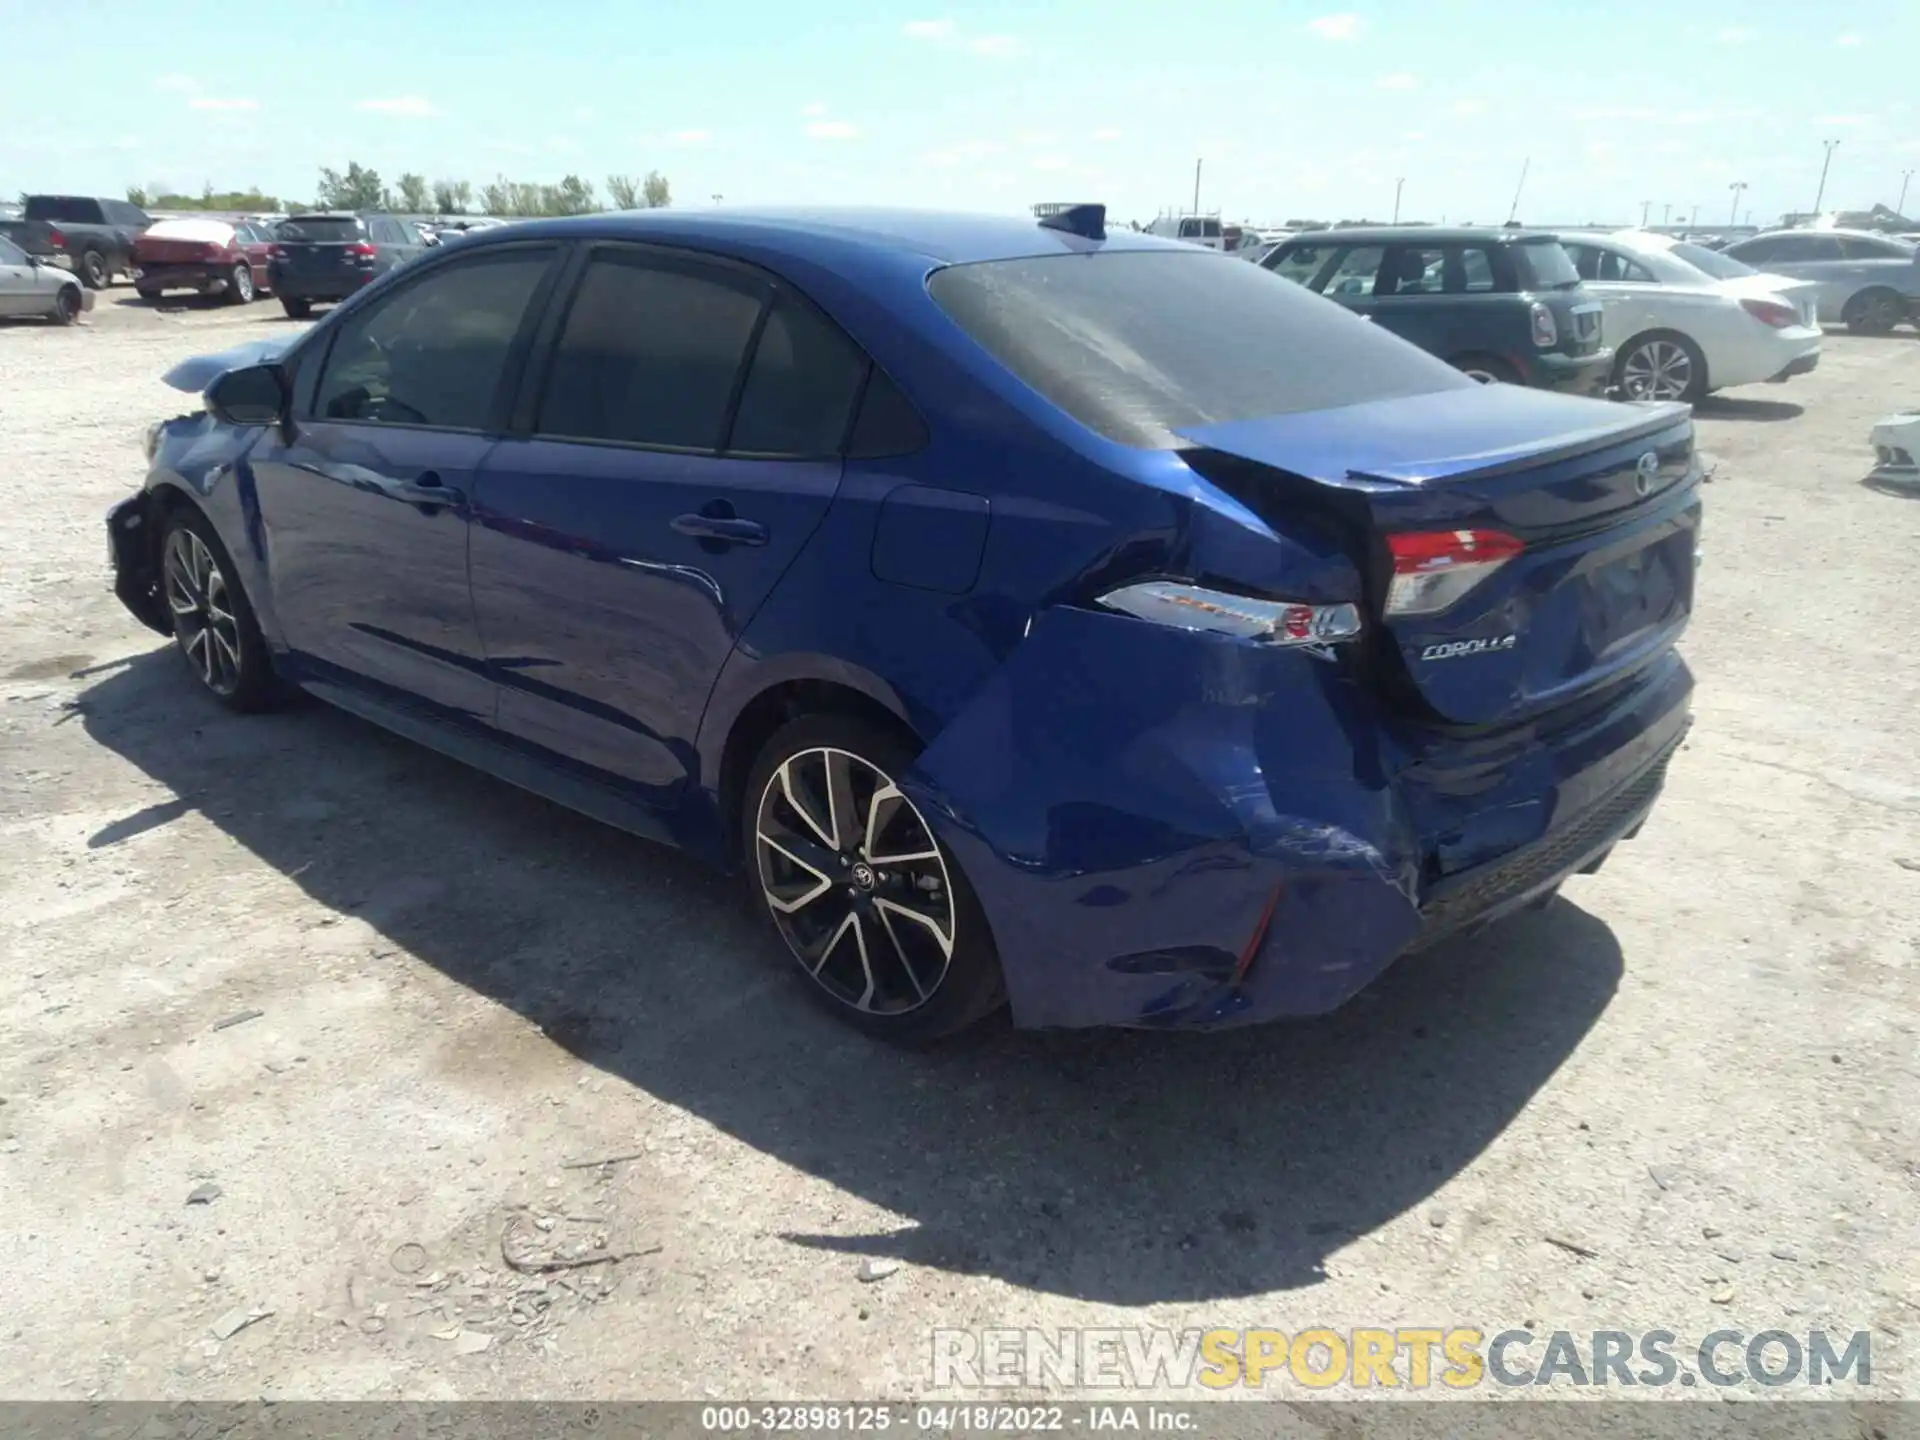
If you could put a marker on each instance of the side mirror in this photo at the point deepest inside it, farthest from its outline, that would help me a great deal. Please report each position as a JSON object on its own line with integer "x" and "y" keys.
{"x": 256, "y": 395}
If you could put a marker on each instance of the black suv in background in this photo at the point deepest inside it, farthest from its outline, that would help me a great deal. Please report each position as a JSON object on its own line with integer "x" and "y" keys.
{"x": 1498, "y": 304}
{"x": 325, "y": 257}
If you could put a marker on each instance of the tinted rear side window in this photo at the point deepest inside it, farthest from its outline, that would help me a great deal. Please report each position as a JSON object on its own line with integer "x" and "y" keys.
{"x": 74, "y": 209}
{"x": 325, "y": 228}
{"x": 650, "y": 354}
{"x": 1136, "y": 345}
{"x": 801, "y": 388}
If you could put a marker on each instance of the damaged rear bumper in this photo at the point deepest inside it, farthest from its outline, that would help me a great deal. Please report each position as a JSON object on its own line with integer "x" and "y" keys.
{"x": 1173, "y": 831}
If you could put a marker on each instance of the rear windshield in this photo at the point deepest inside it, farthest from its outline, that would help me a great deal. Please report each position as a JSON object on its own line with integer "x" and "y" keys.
{"x": 74, "y": 209}
{"x": 1720, "y": 267}
{"x": 1544, "y": 265}
{"x": 1137, "y": 345}
{"x": 322, "y": 227}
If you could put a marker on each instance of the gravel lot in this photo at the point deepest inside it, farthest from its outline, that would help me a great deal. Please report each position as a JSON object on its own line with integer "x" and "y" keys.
{"x": 1700, "y": 1064}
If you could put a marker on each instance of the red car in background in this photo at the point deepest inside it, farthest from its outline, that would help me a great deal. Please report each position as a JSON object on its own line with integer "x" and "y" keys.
{"x": 213, "y": 257}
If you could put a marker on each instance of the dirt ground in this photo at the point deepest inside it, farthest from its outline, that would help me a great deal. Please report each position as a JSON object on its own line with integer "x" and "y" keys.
{"x": 392, "y": 1010}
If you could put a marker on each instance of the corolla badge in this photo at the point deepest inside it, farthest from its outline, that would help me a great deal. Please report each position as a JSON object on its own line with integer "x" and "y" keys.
{"x": 1646, "y": 473}
{"x": 1454, "y": 649}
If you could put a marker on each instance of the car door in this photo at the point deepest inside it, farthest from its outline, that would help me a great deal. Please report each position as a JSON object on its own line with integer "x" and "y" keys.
{"x": 365, "y": 499}
{"x": 681, "y": 442}
{"x": 253, "y": 240}
{"x": 19, "y": 282}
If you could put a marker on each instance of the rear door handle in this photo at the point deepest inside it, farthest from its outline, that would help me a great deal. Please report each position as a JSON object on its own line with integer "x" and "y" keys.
{"x": 729, "y": 529}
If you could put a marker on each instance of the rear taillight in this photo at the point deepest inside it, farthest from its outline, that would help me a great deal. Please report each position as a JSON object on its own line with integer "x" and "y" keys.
{"x": 362, "y": 250}
{"x": 1434, "y": 568}
{"x": 1270, "y": 622}
{"x": 55, "y": 239}
{"x": 1771, "y": 312}
{"x": 1546, "y": 334}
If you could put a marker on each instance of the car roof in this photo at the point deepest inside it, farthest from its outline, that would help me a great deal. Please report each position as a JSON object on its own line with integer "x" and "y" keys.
{"x": 1424, "y": 234}
{"x": 838, "y": 238}
{"x": 1817, "y": 234}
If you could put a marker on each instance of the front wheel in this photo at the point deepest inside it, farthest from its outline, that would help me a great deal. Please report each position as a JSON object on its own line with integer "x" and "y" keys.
{"x": 296, "y": 309}
{"x": 212, "y": 620}
{"x": 861, "y": 892}
{"x": 66, "y": 305}
{"x": 240, "y": 286}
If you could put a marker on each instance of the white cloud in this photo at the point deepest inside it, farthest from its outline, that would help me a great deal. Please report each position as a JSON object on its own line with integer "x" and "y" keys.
{"x": 929, "y": 29}
{"x": 966, "y": 152}
{"x": 1052, "y": 162}
{"x": 1841, "y": 120}
{"x": 177, "y": 84}
{"x": 211, "y": 102}
{"x": 1400, "y": 80}
{"x": 832, "y": 130}
{"x": 1105, "y": 133}
{"x": 994, "y": 47}
{"x": 1734, "y": 35}
{"x": 1414, "y": 136}
{"x": 583, "y": 113}
{"x": 1336, "y": 27}
{"x": 1614, "y": 112}
{"x": 690, "y": 137}
{"x": 814, "y": 109}
{"x": 1847, "y": 39}
{"x": 400, "y": 105}
{"x": 1469, "y": 107}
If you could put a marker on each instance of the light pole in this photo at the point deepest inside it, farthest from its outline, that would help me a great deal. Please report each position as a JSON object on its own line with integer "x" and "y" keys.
{"x": 1694, "y": 219}
{"x": 718, "y": 198}
{"x": 1646, "y": 207}
{"x": 1901, "y": 206}
{"x": 1736, "y": 188}
{"x": 1830, "y": 144}
{"x": 1196, "y": 186}
{"x": 1401, "y": 183}
{"x": 1666, "y": 211}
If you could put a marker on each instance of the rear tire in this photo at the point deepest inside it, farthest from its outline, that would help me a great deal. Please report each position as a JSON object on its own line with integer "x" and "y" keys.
{"x": 879, "y": 919}
{"x": 94, "y": 270}
{"x": 66, "y": 305}
{"x": 1487, "y": 369}
{"x": 1663, "y": 365}
{"x": 148, "y": 294}
{"x": 1875, "y": 312}
{"x": 296, "y": 309}
{"x": 240, "y": 286}
{"x": 213, "y": 621}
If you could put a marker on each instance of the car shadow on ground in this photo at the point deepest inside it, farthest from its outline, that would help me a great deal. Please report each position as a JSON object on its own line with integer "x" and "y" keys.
{"x": 1730, "y": 407}
{"x": 185, "y": 300}
{"x": 1128, "y": 1168}
{"x": 1904, "y": 486}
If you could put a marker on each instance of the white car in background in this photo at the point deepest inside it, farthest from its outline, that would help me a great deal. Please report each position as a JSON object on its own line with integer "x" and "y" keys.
{"x": 1686, "y": 321}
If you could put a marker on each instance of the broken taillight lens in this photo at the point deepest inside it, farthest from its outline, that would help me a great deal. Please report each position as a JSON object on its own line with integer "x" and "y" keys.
{"x": 1270, "y": 622}
{"x": 1433, "y": 568}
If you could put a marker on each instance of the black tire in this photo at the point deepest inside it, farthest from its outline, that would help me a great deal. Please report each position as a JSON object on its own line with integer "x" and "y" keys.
{"x": 932, "y": 968}
{"x": 240, "y": 285}
{"x": 1487, "y": 369}
{"x": 1661, "y": 359}
{"x": 66, "y": 305}
{"x": 296, "y": 309}
{"x": 93, "y": 269}
{"x": 241, "y": 675}
{"x": 1875, "y": 312}
{"x": 148, "y": 294}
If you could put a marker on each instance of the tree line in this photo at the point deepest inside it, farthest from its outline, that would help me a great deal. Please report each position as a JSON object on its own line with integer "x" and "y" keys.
{"x": 359, "y": 187}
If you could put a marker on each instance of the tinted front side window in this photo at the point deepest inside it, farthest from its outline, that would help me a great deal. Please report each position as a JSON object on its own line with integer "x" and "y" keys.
{"x": 1136, "y": 345}
{"x": 1417, "y": 270}
{"x": 801, "y": 387}
{"x": 1357, "y": 271}
{"x": 10, "y": 253}
{"x": 650, "y": 354}
{"x": 433, "y": 352}
{"x": 1299, "y": 263}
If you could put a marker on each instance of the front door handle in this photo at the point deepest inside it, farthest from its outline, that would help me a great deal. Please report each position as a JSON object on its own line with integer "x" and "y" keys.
{"x": 727, "y": 529}
{"x": 427, "y": 489}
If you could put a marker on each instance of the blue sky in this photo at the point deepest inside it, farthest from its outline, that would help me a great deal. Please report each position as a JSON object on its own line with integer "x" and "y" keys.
{"x": 1298, "y": 109}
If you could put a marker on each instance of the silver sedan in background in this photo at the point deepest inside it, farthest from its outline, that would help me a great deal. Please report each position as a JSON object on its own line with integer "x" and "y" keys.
{"x": 1869, "y": 283}
{"x": 29, "y": 288}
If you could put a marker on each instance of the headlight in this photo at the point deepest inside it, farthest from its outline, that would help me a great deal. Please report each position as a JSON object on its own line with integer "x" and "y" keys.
{"x": 1271, "y": 622}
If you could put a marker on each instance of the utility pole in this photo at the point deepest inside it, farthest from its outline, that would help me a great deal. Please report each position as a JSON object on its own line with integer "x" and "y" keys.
{"x": 1645, "y": 207}
{"x": 1400, "y": 184}
{"x": 1666, "y": 210}
{"x": 1830, "y": 144}
{"x": 1901, "y": 206}
{"x": 1196, "y": 186}
{"x": 1736, "y": 187}
{"x": 1694, "y": 219}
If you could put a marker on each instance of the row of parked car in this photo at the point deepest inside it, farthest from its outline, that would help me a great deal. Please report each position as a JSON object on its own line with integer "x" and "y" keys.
{"x": 64, "y": 246}
{"x": 1633, "y": 312}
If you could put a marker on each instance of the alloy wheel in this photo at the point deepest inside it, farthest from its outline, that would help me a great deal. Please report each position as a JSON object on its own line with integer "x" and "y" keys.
{"x": 203, "y": 619}
{"x": 1657, "y": 370}
{"x": 855, "y": 881}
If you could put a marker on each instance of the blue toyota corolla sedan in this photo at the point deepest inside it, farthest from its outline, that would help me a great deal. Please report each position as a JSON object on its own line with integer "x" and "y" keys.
{"x": 1089, "y": 623}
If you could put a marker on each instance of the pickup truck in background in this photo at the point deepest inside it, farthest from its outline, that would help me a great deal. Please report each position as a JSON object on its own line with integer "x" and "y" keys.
{"x": 89, "y": 236}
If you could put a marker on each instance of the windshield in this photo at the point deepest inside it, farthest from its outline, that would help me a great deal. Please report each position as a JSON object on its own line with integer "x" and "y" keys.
{"x": 1136, "y": 345}
{"x": 321, "y": 228}
{"x": 1720, "y": 267}
{"x": 1545, "y": 265}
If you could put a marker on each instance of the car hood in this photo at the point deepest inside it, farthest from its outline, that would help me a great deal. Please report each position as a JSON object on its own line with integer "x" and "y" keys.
{"x": 196, "y": 373}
